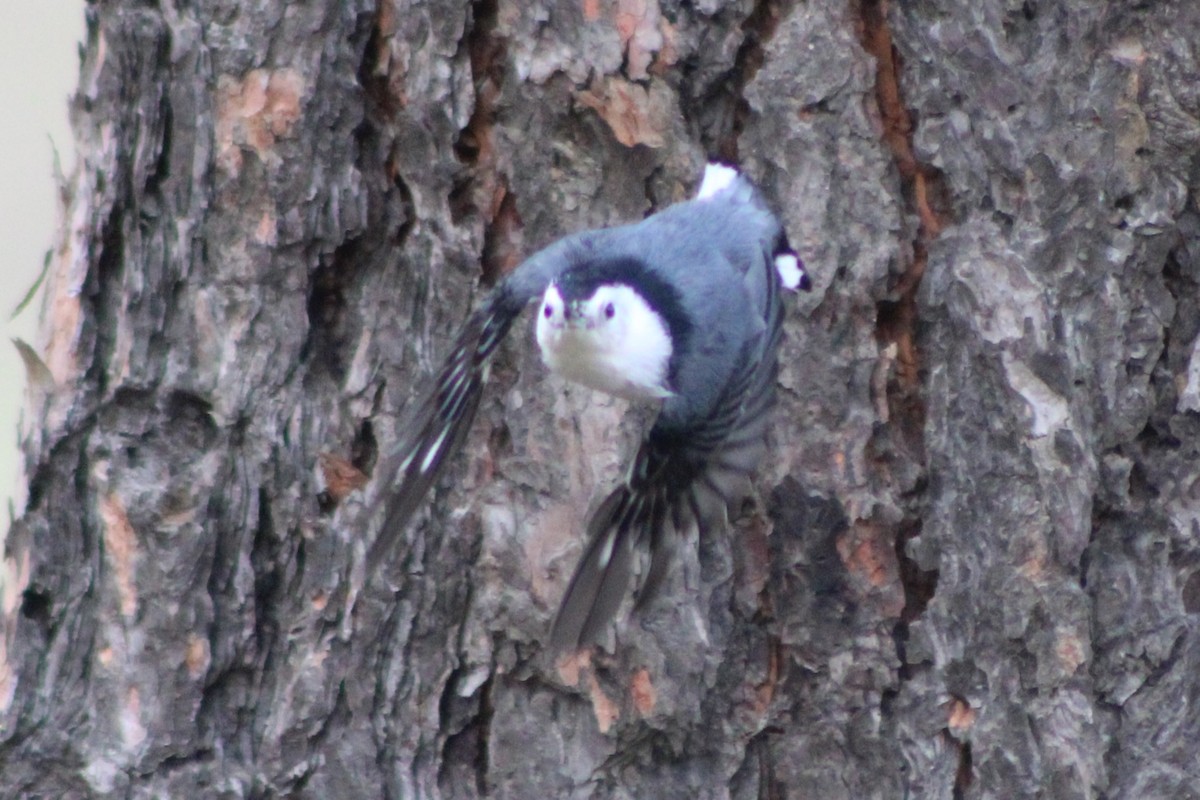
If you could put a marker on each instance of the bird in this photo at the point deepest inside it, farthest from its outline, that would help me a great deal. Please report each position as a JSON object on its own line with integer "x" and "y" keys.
{"x": 682, "y": 310}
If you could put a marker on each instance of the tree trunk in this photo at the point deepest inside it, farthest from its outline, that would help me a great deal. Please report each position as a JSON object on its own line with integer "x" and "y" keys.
{"x": 972, "y": 568}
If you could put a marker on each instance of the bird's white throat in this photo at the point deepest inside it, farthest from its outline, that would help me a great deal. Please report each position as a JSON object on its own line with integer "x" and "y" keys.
{"x": 613, "y": 341}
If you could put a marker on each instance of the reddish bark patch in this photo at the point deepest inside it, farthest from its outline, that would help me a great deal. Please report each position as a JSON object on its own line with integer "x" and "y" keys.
{"x": 642, "y": 691}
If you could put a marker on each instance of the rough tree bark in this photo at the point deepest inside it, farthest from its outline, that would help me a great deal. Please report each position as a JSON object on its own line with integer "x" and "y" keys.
{"x": 973, "y": 570}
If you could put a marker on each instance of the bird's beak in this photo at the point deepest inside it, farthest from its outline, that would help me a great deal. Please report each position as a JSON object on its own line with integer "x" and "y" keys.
{"x": 574, "y": 316}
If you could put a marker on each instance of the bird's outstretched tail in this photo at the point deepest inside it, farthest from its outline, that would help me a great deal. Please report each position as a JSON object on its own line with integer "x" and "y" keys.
{"x": 635, "y": 515}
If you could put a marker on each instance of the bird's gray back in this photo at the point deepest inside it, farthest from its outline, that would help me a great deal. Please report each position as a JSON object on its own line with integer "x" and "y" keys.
{"x": 717, "y": 253}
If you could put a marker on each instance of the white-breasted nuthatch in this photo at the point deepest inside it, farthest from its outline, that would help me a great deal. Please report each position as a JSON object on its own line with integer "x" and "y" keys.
{"x": 682, "y": 309}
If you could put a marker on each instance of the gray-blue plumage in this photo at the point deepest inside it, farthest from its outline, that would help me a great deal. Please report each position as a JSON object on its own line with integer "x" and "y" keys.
{"x": 707, "y": 267}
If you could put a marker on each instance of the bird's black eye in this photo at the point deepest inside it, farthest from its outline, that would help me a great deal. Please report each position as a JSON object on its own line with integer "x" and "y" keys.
{"x": 548, "y": 312}
{"x": 610, "y": 311}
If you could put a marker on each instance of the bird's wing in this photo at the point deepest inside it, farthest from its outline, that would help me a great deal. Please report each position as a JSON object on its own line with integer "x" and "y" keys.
{"x": 438, "y": 426}
{"x": 443, "y": 416}
{"x": 677, "y": 476}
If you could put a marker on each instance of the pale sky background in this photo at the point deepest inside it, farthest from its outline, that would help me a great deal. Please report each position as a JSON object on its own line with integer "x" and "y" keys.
{"x": 39, "y": 67}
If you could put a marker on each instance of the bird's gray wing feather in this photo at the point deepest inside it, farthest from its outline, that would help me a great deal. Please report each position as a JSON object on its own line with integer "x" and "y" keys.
{"x": 443, "y": 416}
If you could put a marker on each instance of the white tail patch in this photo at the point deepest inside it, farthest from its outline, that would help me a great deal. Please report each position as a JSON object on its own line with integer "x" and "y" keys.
{"x": 790, "y": 271}
{"x": 716, "y": 177}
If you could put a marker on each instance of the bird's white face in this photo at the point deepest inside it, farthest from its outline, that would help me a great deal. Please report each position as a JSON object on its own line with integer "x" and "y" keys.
{"x": 612, "y": 341}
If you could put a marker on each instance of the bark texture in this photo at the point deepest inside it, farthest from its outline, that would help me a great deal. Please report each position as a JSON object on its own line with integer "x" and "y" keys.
{"x": 973, "y": 569}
